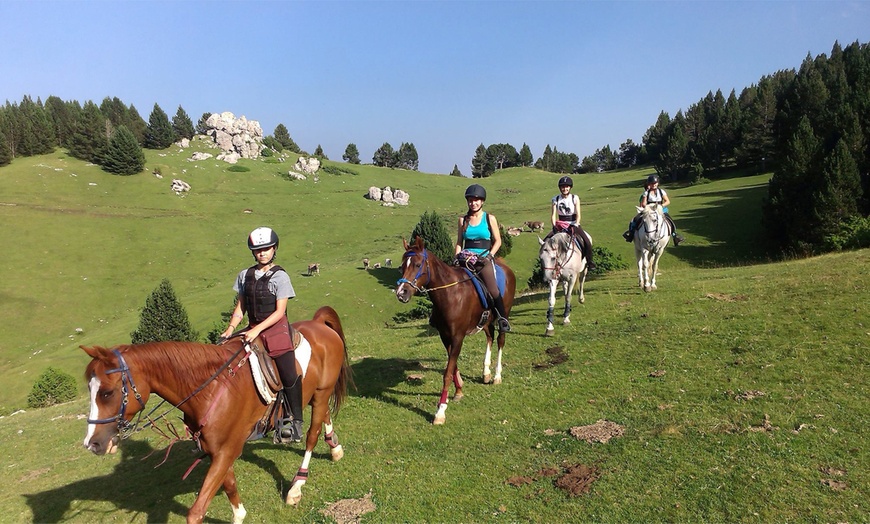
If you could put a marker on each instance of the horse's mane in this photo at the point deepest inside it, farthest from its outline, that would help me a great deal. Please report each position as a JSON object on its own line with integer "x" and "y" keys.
{"x": 189, "y": 363}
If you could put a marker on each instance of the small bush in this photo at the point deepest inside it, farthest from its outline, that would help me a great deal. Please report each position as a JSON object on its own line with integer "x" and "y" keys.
{"x": 422, "y": 309}
{"x": 238, "y": 169}
{"x": 52, "y": 387}
{"x": 272, "y": 160}
{"x": 337, "y": 170}
{"x": 854, "y": 233}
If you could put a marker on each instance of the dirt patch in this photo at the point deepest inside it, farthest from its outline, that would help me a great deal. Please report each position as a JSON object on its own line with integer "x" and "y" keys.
{"x": 577, "y": 479}
{"x": 519, "y": 481}
{"x": 349, "y": 511}
{"x": 836, "y": 485}
{"x": 555, "y": 355}
{"x": 748, "y": 395}
{"x": 34, "y": 474}
{"x": 765, "y": 425}
{"x": 726, "y": 298}
{"x": 602, "y": 431}
{"x": 658, "y": 373}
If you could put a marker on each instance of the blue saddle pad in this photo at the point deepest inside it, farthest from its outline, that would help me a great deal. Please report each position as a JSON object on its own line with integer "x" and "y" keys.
{"x": 481, "y": 290}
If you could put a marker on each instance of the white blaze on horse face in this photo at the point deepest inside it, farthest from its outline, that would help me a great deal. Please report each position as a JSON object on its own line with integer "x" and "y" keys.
{"x": 93, "y": 388}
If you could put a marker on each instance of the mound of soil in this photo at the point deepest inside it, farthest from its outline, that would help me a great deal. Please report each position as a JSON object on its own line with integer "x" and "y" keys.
{"x": 555, "y": 355}
{"x": 350, "y": 511}
{"x": 602, "y": 431}
{"x": 577, "y": 479}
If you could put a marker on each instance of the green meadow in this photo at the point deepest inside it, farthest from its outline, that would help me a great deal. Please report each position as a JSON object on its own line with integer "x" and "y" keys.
{"x": 740, "y": 386}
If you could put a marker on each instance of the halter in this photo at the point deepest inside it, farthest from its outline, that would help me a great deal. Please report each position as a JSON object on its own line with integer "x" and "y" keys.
{"x": 428, "y": 270}
{"x": 126, "y": 377}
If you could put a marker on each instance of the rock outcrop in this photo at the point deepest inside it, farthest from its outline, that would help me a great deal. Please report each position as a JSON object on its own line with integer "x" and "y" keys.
{"x": 236, "y": 137}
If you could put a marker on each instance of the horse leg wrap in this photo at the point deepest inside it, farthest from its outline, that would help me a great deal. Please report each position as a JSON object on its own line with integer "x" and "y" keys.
{"x": 330, "y": 439}
{"x": 302, "y": 475}
{"x": 443, "y": 398}
{"x": 550, "y": 315}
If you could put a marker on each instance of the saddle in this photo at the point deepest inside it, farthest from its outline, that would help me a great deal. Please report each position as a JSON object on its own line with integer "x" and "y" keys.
{"x": 485, "y": 300}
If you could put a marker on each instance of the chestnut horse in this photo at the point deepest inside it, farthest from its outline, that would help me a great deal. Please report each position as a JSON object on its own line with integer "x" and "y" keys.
{"x": 213, "y": 387}
{"x": 456, "y": 311}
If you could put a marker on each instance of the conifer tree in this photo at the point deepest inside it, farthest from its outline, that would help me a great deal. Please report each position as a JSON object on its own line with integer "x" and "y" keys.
{"x": 319, "y": 153}
{"x": 351, "y": 154}
{"x": 201, "y": 126}
{"x": 408, "y": 158}
{"x": 384, "y": 156}
{"x": 89, "y": 139}
{"x": 159, "y": 134}
{"x": 136, "y": 124}
{"x": 526, "y": 158}
{"x": 124, "y": 156}
{"x": 433, "y": 228}
{"x": 182, "y": 126}
{"x": 456, "y": 171}
{"x": 163, "y": 318}
{"x": 5, "y": 152}
{"x": 481, "y": 165}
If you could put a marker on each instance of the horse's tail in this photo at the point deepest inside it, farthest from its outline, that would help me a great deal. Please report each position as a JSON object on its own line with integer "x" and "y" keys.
{"x": 328, "y": 316}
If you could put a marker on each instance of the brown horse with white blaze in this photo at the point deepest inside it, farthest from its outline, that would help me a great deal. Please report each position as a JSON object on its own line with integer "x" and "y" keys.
{"x": 213, "y": 386}
{"x": 456, "y": 311}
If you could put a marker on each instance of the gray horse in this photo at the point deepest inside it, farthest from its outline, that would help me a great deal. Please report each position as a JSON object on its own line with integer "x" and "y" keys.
{"x": 562, "y": 261}
{"x": 650, "y": 240}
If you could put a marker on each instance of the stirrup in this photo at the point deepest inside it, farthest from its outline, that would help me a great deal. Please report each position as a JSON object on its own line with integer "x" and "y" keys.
{"x": 503, "y": 325}
{"x": 291, "y": 431}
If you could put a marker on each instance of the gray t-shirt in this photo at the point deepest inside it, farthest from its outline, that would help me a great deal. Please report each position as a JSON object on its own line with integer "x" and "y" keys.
{"x": 279, "y": 284}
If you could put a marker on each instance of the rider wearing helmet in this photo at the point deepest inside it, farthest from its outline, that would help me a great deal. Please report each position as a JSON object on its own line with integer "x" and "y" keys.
{"x": 653, "y": 194}
{"x": 479, "y": 233}
{"x": 565, "y": 216}
{"x": 263, "y": 291}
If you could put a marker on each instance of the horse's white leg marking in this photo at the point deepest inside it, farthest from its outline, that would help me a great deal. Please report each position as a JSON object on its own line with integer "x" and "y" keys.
{"x": 569, "y": 291}
{"x": 295, "y": 493}
{"x": 487, "y": 360}
{"x": 337, "y": 452}
{"x": 497, "y": 379}
{"x": 93, "y": 388}
{"x": 551, "y": 303}
{"x": 440, "y": 415}
{"x": 239, "y": 513}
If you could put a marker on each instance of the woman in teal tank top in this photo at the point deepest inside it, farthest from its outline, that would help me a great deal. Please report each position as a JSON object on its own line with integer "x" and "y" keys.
{"x": 479, "y": 234}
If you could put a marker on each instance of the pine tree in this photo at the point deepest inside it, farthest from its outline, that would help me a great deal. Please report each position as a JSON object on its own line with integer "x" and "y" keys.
{"x": 182, "y": 126}
{"x": 124, "y": 156}
{"x": 456, "y": 171}
{"x": 5, "y": 152}
{"x": 62, "y": 119}
{"x": 163, "y": 318}
{"x": 159, "y": 134}
{"x": 136, "y": 124}
{"x": 433, "y": 228}
{"x": 319, "y": 153}
{"x": 481, "y": 165}
{"x": 283, "y": 136}
{"x": 202, "y": 126}
{"x": 89, "y": 139}
{"x": 408, "y": 158}
{"x": 351, "y": 154}
{"x": 384, "y": 156}
{"x": 526, "y": 158}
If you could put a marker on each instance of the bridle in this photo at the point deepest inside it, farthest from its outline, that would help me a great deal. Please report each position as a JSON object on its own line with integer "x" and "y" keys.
{"x": 653, "y": 237}
{"x": 125, "y": 427}
{"x": 425, "y": 267}
{"x": 557, "y": 269}
{"x": 127, "y": 385}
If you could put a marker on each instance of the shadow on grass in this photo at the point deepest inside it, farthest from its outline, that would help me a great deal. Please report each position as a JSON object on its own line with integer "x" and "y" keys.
{"x": 140, "y": 485}
{"x": 124, "y": 488}
{"x": 378, "y": 378}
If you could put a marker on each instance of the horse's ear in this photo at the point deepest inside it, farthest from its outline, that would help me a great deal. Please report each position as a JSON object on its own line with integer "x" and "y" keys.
{"x": 405, "y": 243}
{"x": 95, "y": 351}
{"x": 639, "y": 209}
{"x": 540, "y": 240}
{"x": 420, "y": 243}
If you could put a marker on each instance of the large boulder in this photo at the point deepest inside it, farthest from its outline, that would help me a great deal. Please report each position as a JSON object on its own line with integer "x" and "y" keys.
{"x": 232, "y": 135}
{"x": 388, "y": 196}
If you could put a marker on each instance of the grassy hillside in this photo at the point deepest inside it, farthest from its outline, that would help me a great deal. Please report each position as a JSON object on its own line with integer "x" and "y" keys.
{"x": 740, "y": 384}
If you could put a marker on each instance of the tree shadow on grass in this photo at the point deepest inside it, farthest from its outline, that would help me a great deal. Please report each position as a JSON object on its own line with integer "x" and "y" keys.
{"x": 378, "y": 378}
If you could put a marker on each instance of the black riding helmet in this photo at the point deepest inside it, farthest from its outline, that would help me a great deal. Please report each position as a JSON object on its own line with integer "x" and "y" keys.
{"x": 475, "y": 191}
{"x": 652, "y": 179}
{"x": 566, "y": 181}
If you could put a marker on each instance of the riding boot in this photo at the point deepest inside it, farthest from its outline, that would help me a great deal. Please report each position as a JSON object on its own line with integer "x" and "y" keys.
{"x": 587, "y": 253}
{"x": 291, "y": 430}
{"x": 503, "y": 325}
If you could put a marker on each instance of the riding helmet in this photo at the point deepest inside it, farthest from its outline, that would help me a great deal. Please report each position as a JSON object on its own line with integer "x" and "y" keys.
{"x": 566, "y": 181}
{"x": 652, "y": 179}
{"x": 261, "y": 238}
{"x": 475, "y": 191}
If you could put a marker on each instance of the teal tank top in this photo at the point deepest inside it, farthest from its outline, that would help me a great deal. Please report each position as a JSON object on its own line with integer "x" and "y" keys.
{"x": 478, "y": 239}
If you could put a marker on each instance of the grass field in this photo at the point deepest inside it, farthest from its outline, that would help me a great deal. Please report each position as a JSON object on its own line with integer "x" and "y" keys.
{"x": 740, "y": 385}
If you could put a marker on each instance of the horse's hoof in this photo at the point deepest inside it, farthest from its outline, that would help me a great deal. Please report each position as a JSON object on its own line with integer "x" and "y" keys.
{"x": 653, "y": 287}
{"x": 337, "y": 453}
{"x": 458, "y": 396}
{"x": 566, "y": 321}
{"x": 647, "y": 289}
{"x": 293, "y": 498}
{"x": 497, "y": 380}
{"x": 582, "y": 300}
{"x": 439, "y": 421}
{"x": 550, "y": 333}
{"x": 487, "y": 379}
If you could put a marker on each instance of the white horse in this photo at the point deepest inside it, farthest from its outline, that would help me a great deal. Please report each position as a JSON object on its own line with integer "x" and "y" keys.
{"x": 650, "y": 240}
{"x": 562, "y": 261}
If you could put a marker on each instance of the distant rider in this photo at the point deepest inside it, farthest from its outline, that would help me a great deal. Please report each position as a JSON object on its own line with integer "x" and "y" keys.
{"x": 653, "y": 194}
{"x": 565, "y": 216}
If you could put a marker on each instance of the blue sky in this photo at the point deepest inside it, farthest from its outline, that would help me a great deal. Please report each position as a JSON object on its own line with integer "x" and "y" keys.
{"x": 445, "y": 76}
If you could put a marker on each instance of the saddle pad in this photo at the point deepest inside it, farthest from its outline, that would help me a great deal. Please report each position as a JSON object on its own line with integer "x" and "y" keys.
{"x": 481, "y": 291}
{"x": 303, "y": 356}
